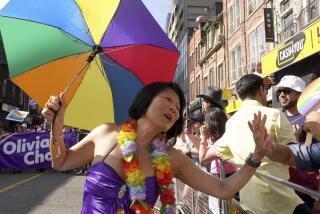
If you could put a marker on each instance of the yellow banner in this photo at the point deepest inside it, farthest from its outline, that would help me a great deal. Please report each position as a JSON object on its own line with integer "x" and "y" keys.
{"x": 233, "y": 106}
{"x": 300, "y": 46}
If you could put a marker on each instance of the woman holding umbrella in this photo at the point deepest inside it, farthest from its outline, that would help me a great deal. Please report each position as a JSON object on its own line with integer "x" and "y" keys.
{"x": 134, "y": 163}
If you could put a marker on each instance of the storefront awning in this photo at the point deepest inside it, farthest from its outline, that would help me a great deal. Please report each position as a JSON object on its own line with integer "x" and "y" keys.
{"x": 300, "y": 46}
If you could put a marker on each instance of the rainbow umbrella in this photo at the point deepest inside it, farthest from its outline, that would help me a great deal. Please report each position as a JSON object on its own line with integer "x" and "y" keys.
{"x": 309, "y": 100}
{"x": 101, "y": 53}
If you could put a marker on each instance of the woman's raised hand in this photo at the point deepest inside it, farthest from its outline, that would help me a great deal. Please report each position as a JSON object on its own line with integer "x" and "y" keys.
{"x": 54, "y": 105}
{"x": 263, "y": 141}
{"x": 204, "y": 133}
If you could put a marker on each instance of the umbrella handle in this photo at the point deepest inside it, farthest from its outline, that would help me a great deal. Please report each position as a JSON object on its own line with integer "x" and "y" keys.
{"x": 53, "y": 139}
{"x": 55, "y": 113}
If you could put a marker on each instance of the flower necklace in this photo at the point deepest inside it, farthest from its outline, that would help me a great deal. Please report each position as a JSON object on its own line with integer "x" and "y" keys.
{"x": 135, "y": 176}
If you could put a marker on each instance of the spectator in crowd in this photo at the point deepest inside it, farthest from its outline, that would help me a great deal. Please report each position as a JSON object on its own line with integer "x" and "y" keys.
{"x": 4, "y": 132}
{"x": 211, "y": 132}
{"x": 2, "y": 129}
{"x": 288, "y": 91}
{"x": 194, "y": 123}
{"x": 211, "y": 98}
{"x": 184, "y": 145}
{"x": 46, "y": 126}
{"x": 298, "y": 155}
{"x": 24, "y": 127}
{"x": 260, "y": 195}
{"x": 19, "y": 129}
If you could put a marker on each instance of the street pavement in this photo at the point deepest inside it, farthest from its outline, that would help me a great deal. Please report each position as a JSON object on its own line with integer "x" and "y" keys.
{"x": 40, "y": 193}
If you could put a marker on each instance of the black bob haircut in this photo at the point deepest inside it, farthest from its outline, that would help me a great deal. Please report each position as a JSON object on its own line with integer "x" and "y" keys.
{"x": 216, "y": 120}
{"x": 248, "y": 85}
{"x": 143, "y": 100}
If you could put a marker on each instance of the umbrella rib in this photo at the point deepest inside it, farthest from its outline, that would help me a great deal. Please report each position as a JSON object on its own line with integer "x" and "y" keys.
{"x": 106, "y": 30}
{"x": 114, "y": 66}
{"x": 111, "y": 64}
{"x": 88, "y": 33}
{"x": 102, "y": 71}
{"x": 75, "y": 78}
{"x": 84, "y": 22}
{"x": 122, "y": 47}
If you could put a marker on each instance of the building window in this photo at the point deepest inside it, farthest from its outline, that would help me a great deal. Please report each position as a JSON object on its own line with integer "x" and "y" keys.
{"x": 211, "y": 77}
{"x": 252, "y": 47}
{"x": 210, "y": 39}
{"x": 256, "y": 44}
{"x": 287, "y": 21}
{"x": 203, "y": 51}
{"x": 192, "y": 95}
{"x": 231, "y": 20}
{"x": 314, "y": 11}
{"x": 221, "y": 75}
{"x": 234, "y": 16}
{"x": 250, "y": 6}
{"x": 205, "y": 82}
{"x": 235, "y": 63}
{"x": 259, "y": 2}
{"x": 253, "y": 5}
{"x": 197, "y": 55}
{"x": 237, "y": 14}
{"x": 285, "y": 5}
{"x": 261, "y": 40}
{"x": 198, "y": 85}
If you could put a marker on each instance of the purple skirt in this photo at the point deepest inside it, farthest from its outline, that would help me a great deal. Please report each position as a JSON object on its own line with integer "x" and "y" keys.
{"x": 105, "y": 191}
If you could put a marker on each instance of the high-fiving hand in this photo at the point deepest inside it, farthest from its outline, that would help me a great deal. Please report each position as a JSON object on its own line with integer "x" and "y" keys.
{"x": 263, "y": 141}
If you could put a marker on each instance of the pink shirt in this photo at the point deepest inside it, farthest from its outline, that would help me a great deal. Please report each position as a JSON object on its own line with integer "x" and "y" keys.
{"x": 215, "y": 164}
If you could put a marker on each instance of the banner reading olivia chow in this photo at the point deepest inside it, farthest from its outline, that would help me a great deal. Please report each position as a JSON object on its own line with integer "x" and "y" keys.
{"x": 30, "y": 150}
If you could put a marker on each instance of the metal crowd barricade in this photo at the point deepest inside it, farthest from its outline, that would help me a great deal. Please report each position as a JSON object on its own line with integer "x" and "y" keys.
{"x": 314, "y": 194}
{"x": 191, "y": 201}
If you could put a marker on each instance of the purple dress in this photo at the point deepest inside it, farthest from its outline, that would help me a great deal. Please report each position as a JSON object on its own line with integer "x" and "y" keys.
{"x": 105, "y": 191}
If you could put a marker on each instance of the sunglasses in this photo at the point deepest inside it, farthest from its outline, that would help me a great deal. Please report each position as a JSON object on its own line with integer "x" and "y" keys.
{"x": 285, "y": 91}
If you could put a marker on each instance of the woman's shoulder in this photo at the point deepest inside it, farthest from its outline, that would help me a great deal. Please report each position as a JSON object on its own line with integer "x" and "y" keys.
{"x": 105, "y": 130}
{"x": 106, "y": 127}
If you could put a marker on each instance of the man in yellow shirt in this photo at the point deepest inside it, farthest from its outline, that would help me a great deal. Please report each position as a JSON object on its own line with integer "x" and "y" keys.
{"x": 260, "y": 195}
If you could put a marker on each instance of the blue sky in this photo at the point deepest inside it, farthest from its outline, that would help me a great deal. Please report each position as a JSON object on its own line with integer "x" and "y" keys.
{"x": 159, "y": 9}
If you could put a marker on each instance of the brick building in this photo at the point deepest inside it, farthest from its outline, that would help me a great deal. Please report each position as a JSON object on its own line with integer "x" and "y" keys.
{"x": 227, "y": 46}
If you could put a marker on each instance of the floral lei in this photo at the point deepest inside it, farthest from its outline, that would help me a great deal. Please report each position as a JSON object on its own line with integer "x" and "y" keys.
{"x": 135, "y": 176}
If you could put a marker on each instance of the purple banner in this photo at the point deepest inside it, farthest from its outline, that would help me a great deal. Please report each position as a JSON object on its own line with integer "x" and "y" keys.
{"x": 30, "y": 150}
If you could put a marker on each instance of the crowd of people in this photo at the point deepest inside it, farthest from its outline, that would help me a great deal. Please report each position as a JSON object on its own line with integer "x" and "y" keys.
{"x": 206, "y": 141}
{"x": 134, "y": 163}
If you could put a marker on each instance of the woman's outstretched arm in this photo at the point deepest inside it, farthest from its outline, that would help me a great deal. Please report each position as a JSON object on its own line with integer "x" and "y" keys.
{"x": 190, "y": 174}
{"x": 185, "y": 170}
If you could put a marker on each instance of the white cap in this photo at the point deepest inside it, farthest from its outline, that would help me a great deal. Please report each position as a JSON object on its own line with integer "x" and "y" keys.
{"x": 24, "y": 125}
{"x": 293, "y": 82}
